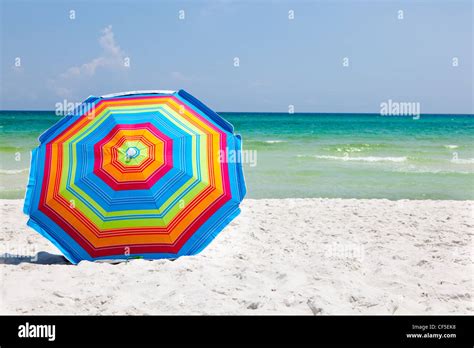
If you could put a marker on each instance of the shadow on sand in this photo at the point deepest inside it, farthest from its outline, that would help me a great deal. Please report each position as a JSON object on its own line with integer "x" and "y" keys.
{"x": 41, "y": 258}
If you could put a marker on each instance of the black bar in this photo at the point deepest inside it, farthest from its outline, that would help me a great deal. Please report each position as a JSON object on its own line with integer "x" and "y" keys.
{"x": 172, "y": 330}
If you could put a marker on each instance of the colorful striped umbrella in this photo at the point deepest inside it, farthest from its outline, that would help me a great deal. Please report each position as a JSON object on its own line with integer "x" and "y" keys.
{"x": 153, "y": 174}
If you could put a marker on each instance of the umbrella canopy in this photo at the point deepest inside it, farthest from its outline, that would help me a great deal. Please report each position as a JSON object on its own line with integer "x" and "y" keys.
{"x": 152, "y": 174}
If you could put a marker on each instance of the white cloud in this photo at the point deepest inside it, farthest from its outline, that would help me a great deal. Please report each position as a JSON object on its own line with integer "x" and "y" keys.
{"x": 111, "y": 57}
{"x": 180, "y": 77}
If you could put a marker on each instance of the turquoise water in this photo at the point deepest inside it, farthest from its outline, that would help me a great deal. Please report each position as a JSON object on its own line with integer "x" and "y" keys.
{"x": 311, "y": 155}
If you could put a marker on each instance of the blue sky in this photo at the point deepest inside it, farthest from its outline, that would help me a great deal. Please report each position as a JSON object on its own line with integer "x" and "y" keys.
{"x": 282, "y": 61}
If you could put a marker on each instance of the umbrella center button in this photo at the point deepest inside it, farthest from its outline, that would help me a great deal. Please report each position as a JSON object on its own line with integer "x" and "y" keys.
{"x": 132, "y": 152}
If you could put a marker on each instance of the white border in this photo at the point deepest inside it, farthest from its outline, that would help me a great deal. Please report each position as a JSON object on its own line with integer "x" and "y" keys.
{"x": 153, "y": 91}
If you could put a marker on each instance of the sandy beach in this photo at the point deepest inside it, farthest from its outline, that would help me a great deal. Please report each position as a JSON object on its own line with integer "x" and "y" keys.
{"x": 280, "y": 256}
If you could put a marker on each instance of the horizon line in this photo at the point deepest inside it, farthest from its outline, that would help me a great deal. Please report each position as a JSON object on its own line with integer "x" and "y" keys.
{"x": 283, "y": 112}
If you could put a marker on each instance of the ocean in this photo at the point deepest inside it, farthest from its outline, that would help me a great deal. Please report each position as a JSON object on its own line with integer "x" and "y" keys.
{"x": 310, "y": 155}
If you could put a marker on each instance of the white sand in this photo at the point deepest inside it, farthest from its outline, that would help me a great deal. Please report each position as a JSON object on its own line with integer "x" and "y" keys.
{"x": 292, "y": 256}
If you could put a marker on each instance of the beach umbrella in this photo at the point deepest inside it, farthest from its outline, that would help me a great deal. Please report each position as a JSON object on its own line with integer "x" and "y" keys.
{"x": 152, "y": 174}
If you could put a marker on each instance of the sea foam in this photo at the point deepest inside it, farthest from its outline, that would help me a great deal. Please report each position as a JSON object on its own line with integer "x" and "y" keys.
{"x": 13, "y": 171}
{"x": 463, "y": 160}
{"x": 274, "y": 141}
{"x": 362, "y": 159}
